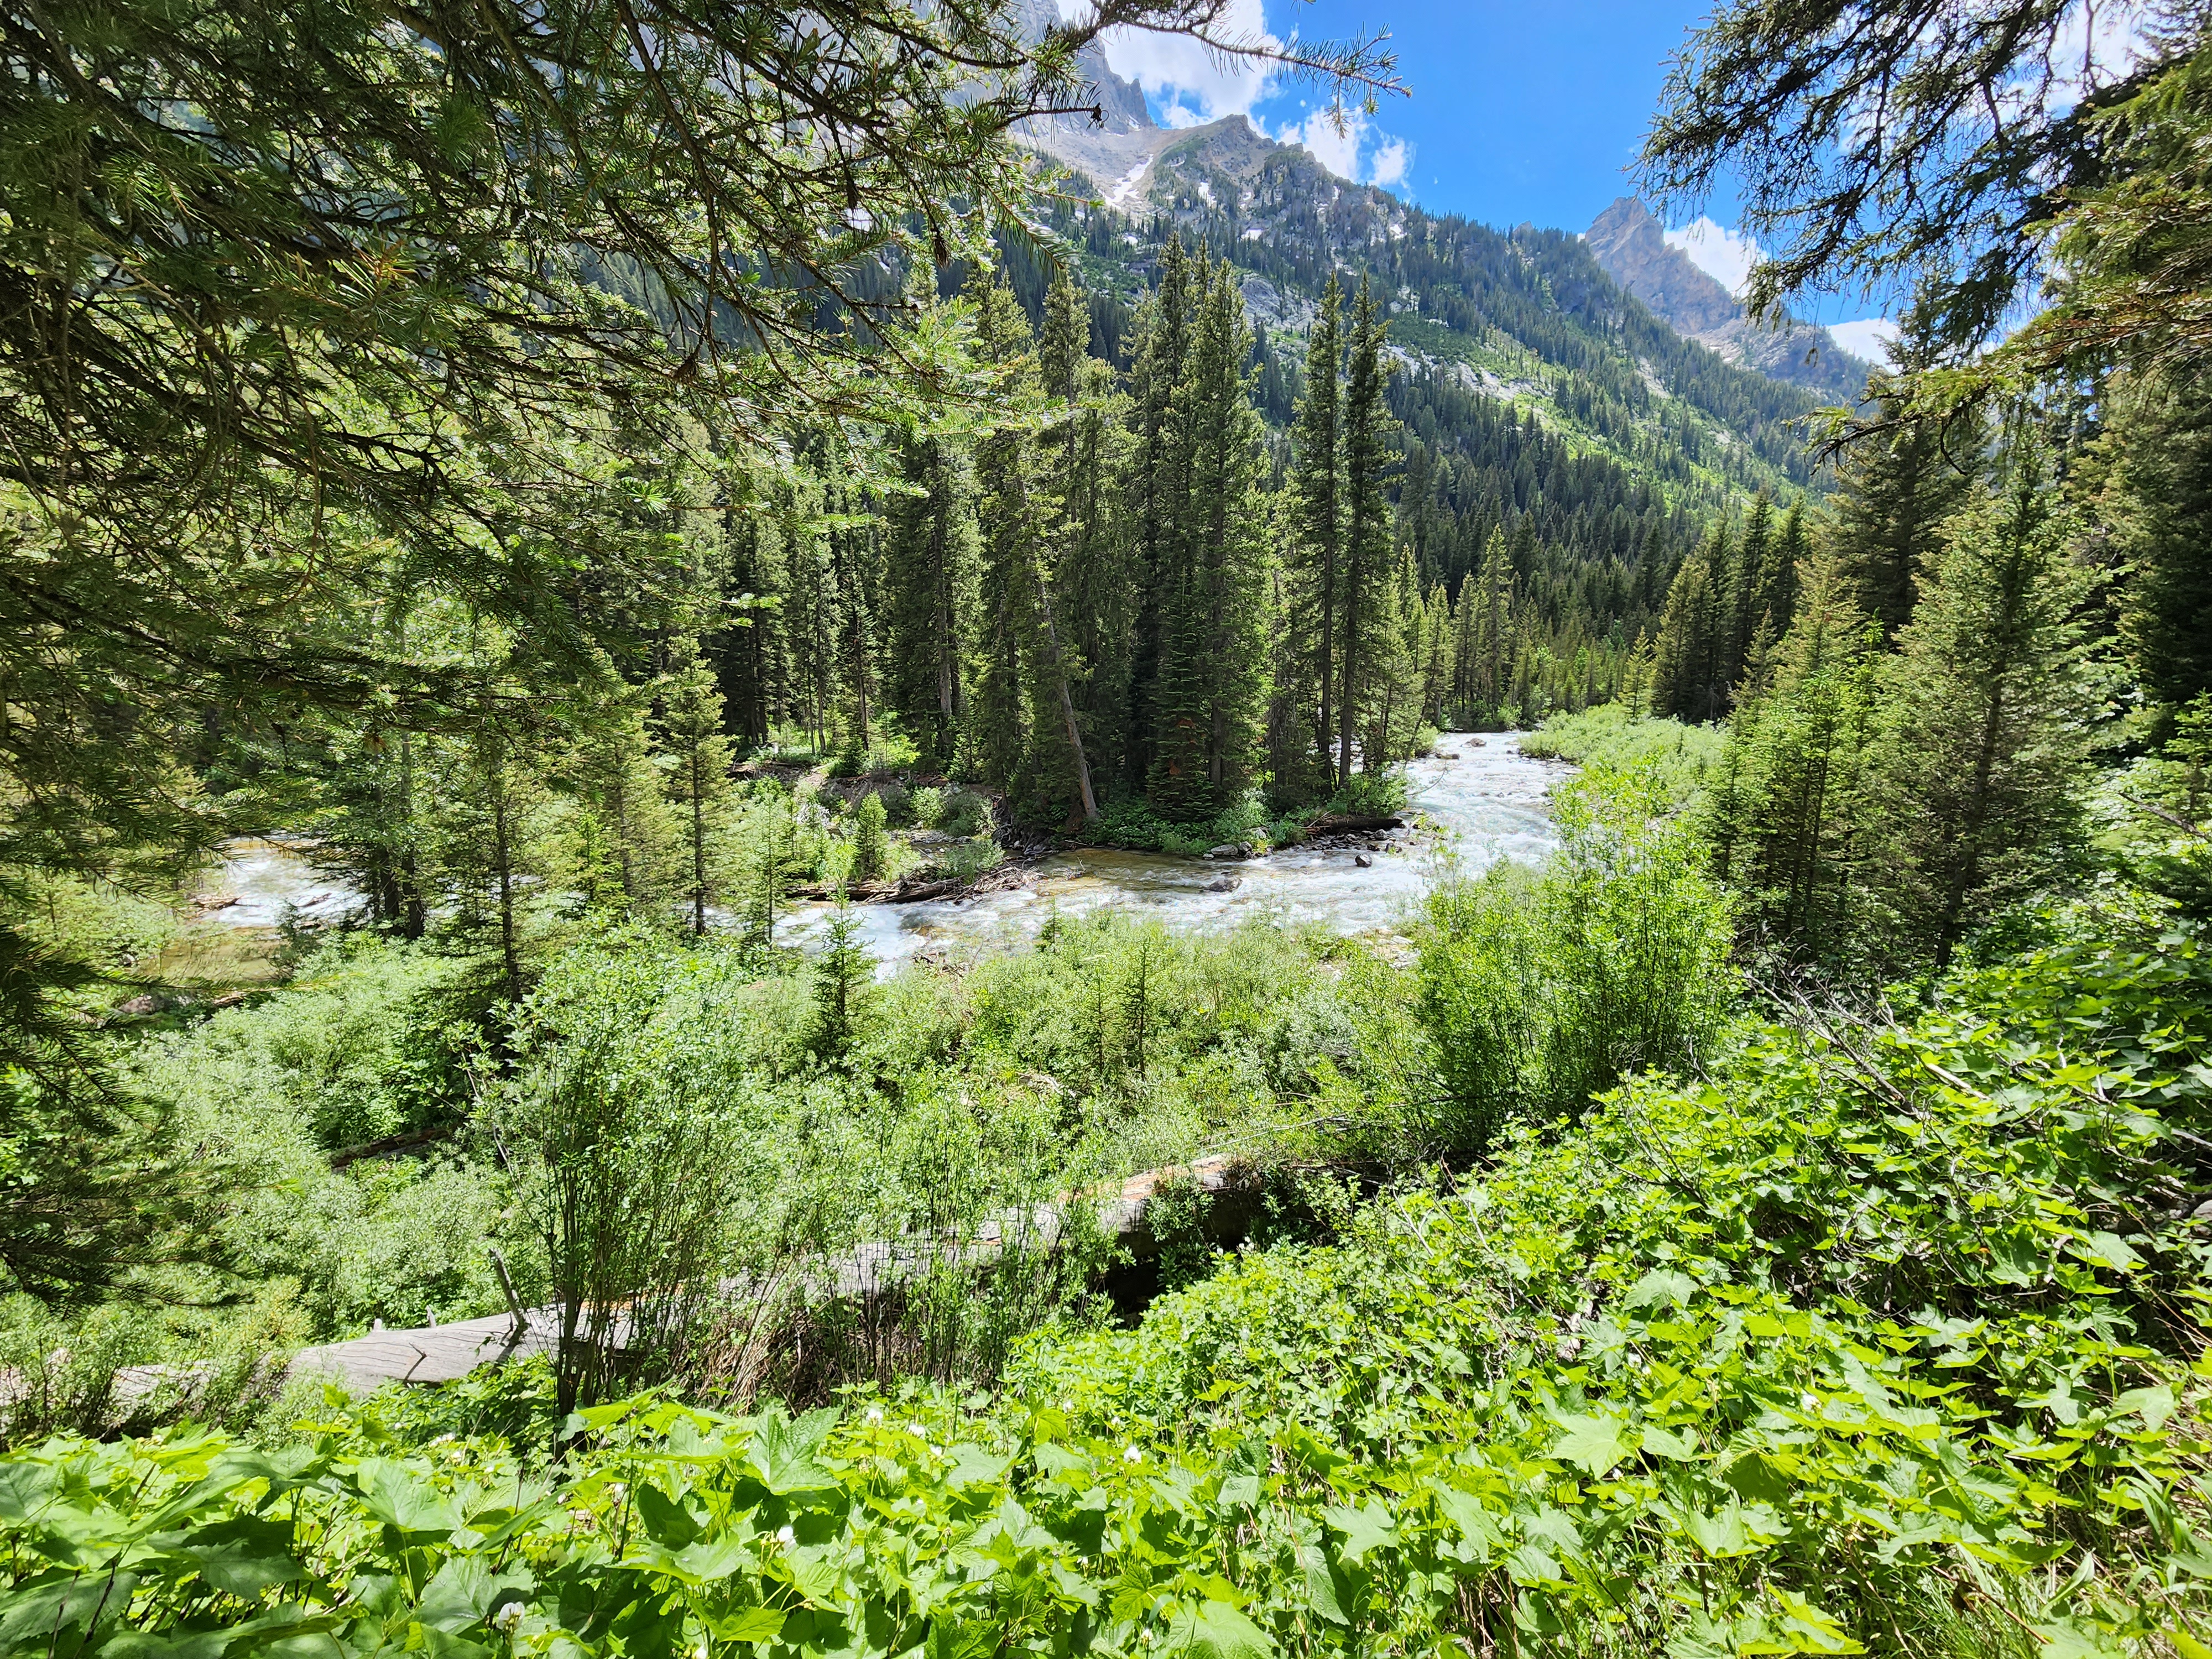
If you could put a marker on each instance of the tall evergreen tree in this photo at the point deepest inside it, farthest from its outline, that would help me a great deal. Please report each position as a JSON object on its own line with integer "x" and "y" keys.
{"x": 1366, "y": 519}
{"x": 1789, "y": 812}
{"x": 1012, "y": 523}
{"x": 1748, "y": 578}
{"x": 1689, "y": 678}
{"x": 929, "y": 579}
{"x": 1986, "y": 728}
{"x": 1315, "y": 565}
{"x": 620, "y": 836}
{"x": 1208, "y": 691}
{"x": 1898, "y": 484}
{"x": 1158, "y": 486}
{"x": 699, "y": 755}
{"x": 2163, "y": 432}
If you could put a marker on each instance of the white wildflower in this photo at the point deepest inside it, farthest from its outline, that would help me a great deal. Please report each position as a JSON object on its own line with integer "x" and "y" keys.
{"x": 917, "y": 1431}
{"x": 508, "y": 1618}
{"x": 875, "y": 1414}
{"x": 1133, "y": 1456}
{"x": 1811, "y": 1403}
{"x": 784, "y": 1536}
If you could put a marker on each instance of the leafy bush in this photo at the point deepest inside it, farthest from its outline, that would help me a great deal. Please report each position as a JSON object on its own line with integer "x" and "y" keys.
{"x": 1371, "y": 794}
{"x": 1135, "y": 825}
{"x": 965, "y": 813}
{"x": 1539, "y": 990}
{"x": 371, "y": 1039}
{"x": 1614, "y": 735}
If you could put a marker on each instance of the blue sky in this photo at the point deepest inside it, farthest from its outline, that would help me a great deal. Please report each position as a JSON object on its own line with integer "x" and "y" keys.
{"x": 1523, "y": 111}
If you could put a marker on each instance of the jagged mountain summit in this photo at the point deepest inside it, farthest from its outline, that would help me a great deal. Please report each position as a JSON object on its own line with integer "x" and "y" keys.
{"x": 1632, "y": 245}
{"x": 1526, "y": 323}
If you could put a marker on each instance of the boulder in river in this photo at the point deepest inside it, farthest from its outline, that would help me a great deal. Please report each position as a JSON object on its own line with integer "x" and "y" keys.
{"x": 1222, "y": 885}
{"x": 1237, "y": 849}
{"x": 1364, "y": 861}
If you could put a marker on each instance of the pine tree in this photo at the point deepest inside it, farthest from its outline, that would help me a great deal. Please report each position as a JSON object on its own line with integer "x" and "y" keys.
{"x": 766, "y": 833}
{"x": 1366, "y": 518}
{"x": 1789, "y": 812}
{"x": 1748, "y": 577}
{"x": 1158, "y": 487}
{"x": 1489, "y": 605}
{"x": 843, "y": 974}
{"x": 1688, "y": 677}
{"x": 2163, "y": 431}
{"x": 930, "y": 581}
{"x": 1059, "y": 763}
{"x": 1986, "y": 719}
{"x": 1208, "y": 691}
{"x": 621, "y": 839}
{"x": 691, "y": 734}
{"x": 749, "y": 658}
{"x": 1898, "y": 485}
{"x": 1317, "y": 528}
{"x": 1006, "y": 506}
{"x": 491, "y": 833}
{"x": 1095, "y": 593}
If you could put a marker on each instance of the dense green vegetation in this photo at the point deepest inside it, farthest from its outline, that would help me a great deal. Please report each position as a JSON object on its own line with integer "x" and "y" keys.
{"x": 1736, "y": 1363}
{"x": 1776, "y": 1221}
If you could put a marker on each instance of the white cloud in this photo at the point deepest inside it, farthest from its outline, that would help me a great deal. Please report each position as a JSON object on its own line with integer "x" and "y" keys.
{"x": 1386, "y": 167}
{"x": 1865, "y": 337}
{"x": 1196, "y": 85}
{"x": 1355, "y": 148}
{"x": 1720, "y": 254}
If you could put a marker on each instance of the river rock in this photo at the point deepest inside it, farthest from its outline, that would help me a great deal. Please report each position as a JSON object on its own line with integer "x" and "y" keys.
{"x": 1362, "y": 861}
{"x": 1230, "y": 850}
{"x": 1222, "y": 885}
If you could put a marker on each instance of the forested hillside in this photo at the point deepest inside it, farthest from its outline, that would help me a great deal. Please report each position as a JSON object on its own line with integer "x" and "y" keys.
{"x": 629, "y": 510}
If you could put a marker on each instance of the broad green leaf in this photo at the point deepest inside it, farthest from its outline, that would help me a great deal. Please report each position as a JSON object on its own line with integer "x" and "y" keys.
{"x": 1369, "y": 1526}
{"x": 1596, "y": 1444}
{"x": 783, "y": 1451}
{"x": 752, "y": 1624}
{"x": 404, "y": 1497}
{"x": 1215, "y": 1630}
{"x": 1661, "y": 1287}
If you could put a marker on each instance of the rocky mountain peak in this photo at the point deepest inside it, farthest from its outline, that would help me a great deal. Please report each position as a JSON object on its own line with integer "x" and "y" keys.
{"x": 1629, "y": 244}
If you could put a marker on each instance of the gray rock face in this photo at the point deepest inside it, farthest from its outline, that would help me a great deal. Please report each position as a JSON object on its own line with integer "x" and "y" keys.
{"x": 1629, "y": 243}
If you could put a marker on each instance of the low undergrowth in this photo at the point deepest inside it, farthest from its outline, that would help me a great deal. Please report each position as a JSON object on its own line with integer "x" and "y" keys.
{"x": 1883, "y": 1336}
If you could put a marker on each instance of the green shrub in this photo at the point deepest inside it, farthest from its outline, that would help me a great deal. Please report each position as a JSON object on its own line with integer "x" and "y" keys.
{"x": 1614, "y": 734}
{"x": 1539, "y": 990}
{"x": 1371, "y": 794}
{"x": 964, "y": 813}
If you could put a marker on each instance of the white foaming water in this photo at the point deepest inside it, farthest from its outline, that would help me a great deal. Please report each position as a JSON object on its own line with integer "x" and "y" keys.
{"x": 1486, "y": 797}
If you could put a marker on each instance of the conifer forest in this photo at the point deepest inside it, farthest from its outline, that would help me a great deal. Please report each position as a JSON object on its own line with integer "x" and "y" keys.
{"x": 809, "y": 849}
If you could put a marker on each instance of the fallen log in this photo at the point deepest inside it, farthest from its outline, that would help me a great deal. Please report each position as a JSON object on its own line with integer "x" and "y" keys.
{"x": 443, "y": 1353}
{"x": 1354, "y": 823}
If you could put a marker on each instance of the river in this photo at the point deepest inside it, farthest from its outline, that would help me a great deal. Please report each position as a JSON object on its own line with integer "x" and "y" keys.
{"x": 1485, "y": 798}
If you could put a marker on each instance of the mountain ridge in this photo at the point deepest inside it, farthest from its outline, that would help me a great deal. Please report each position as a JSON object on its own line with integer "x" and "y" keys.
{"x": 1630, "y": 244}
